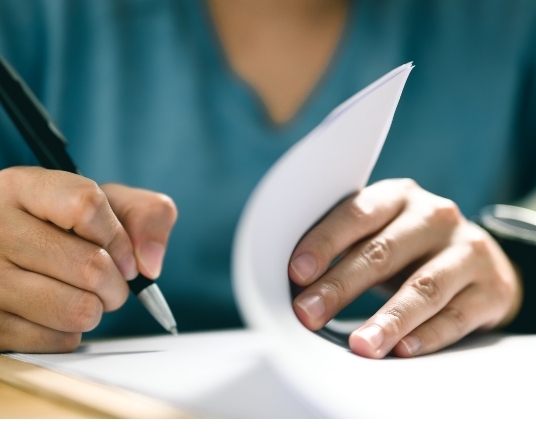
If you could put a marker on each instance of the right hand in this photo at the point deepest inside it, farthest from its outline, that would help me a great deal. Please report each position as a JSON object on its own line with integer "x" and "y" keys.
{"x": 67, "y": 247}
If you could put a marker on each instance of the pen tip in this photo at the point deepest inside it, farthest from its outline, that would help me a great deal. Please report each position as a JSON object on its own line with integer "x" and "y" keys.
{"x": 174, "y": 331}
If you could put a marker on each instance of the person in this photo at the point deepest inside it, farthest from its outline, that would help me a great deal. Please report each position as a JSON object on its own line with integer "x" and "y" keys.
{"x": 196, "y": 100}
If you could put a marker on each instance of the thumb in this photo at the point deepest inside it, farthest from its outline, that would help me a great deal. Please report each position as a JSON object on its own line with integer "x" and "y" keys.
{"x": 148, "y": 218}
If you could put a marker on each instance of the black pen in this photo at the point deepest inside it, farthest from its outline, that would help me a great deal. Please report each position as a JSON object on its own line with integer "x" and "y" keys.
{"x": 49, "y": 146}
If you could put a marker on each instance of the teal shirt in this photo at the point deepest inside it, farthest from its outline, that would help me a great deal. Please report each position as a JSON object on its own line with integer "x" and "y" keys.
{"x": 144, "y": 94}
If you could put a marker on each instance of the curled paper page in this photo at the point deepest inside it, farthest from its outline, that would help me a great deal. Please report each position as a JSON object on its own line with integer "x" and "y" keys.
{"x": 334, "y": 160}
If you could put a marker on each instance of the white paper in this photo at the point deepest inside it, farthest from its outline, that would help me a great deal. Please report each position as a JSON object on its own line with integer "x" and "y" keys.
{"x": 331, "y": 162}
{"x": 212, "y": 374}
{"x": 279, "y": 368}
{"x": 241, "y": 374}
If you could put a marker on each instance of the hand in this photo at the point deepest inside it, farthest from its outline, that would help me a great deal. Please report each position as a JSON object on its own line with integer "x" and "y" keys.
{"x": 67, "y": 248}
{"x": 455, "y": 278}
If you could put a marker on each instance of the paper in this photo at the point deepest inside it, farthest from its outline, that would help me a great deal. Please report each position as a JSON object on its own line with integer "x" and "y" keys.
{"x": 331, "y": 162}
{"x": 241, "y": 374}
{"x": 279, "y": 368}
{"x": 215, "y": 374}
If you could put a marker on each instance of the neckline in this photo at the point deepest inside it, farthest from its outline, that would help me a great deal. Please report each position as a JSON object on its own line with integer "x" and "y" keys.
{"x": 215, "y": 49}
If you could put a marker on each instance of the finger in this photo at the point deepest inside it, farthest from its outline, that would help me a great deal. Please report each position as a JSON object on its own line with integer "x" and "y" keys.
{"x": 373, "y": 261}
{"x": 475, "y": 307}
{"x": 425, "y": 293}
{"x": 148, "y": 218}
{"x": 43, "y": 248}
{"x": 20, "y": 335}
{"x": 72, "y": 202}
{"x": 48, "y": 302}
{"x": 352, "y": 220}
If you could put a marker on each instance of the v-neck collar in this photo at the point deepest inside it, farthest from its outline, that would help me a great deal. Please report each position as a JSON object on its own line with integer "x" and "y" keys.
{"x": 309, "y": 107}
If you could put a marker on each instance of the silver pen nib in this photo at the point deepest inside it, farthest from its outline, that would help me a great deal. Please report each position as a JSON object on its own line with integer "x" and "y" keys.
{"x": 151, "y": 297}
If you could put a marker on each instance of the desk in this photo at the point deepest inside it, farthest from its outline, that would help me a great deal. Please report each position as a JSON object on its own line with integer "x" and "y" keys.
{"x": 15, "y": 403}
{"x": 27, "y": 391}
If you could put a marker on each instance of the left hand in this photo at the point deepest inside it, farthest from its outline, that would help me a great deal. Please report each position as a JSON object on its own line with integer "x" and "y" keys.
{"x": 459, "y": 280}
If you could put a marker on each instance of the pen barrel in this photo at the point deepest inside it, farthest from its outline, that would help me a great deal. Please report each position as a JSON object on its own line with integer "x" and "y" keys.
{"x": 33, "y": 121}
{"x": 139, "y": 283}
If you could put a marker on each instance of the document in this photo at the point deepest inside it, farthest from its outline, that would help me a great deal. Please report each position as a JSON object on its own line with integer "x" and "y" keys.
{"x": 223, "y": 374}
{"x": 278, "y": 368}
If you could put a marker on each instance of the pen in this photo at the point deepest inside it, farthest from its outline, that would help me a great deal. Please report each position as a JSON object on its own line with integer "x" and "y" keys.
{"x": 49, "y": 146}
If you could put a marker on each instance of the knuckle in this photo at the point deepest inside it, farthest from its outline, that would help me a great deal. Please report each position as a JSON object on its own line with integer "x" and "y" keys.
{"x": 377, "y": 253}
{"x": 428, "y": 288}
{"x": 403, "y": 184}
{"x": 336, "y": 289}
{"x": 480, "y": 243}
{"x": 97, "y": 266}
{"x": 408, "y": 184}
{"x": 393, "y": 319}
{"x": 83, "y": 313}
{"x": 88, "y": 199}
{"x": 446, "y": 212}
{"x": 321, "y": 243}
{"x": 358, "y": 210}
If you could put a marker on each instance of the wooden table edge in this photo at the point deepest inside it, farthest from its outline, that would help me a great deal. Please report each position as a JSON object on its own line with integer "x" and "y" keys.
{"x": 97, "y": 400}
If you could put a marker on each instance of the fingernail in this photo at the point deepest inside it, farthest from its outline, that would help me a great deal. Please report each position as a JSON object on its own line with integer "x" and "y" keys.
{"x": 373, "y": 335}
{"x": 128, "y": 267}
{"x": 151, "y": 255}
{"x": 313, "y": 305}
{"x": 413, "y": 344}
{"x": 305, "y": 266}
